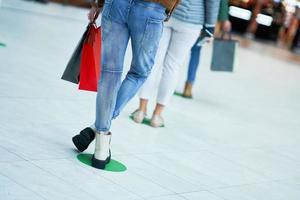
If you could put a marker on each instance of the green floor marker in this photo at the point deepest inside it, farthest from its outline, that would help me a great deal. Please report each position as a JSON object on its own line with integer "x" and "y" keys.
{"x": 2, "y": 44}
{"x": 146, "y": 121}
{"x": 112, "y": 166}
{"x": 181, "y": 95}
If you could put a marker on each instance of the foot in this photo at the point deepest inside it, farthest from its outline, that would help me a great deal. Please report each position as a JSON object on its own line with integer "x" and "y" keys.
{"x": 100, "y": 164}
{"x": 187, "y": 93}
{"x": 138, "y": 116}
{"x": 157, "y": 121}
{"x": 83, "y": 140}
{"x": 102, "y": 153}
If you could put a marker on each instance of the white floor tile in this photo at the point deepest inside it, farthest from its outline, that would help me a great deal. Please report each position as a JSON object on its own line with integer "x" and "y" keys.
{"x": 137, "y": 184}
{"x": 83, "y": 177}
{"x": 9, "y": 190}
{"x": 7, "y": 156}
{"x": 203, "y": 195}
{"x": 157, "y": 175}
{"x": 183, "y": 170}
{"x": 273, "y": 165}
{"x": 267, "y": 190}
{"x": 169, "y": 197}
{"x": 44, "y": 184}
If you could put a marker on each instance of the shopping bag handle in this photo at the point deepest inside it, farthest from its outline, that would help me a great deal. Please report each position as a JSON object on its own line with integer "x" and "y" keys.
{"x": 96, "y": 16}
{"x": 226, "y": 33}
{"x": 90, "y": 39}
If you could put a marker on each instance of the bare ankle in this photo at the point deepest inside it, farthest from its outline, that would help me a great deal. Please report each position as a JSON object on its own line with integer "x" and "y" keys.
{"x": 158, "y": 109}
{"x": 143, "y": 105}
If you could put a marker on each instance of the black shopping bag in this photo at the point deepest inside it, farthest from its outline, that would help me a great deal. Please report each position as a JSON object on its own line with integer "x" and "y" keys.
{"x": 224, "y": 54}
{"x": 72, "y": 70}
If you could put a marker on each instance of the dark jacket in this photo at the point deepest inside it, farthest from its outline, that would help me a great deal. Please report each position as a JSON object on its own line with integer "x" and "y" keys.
{"x": 223, "y": 12}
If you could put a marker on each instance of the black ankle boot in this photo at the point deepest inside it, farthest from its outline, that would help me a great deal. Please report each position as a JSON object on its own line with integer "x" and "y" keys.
{"x": 83, "y": 140}
{"x": 100, "y": 164}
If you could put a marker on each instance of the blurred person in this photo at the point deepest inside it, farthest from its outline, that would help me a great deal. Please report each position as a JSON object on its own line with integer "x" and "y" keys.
{"x": 252, "y": 27}
{"x": 293, "y": 28}
{"x": 223, "y": 25}
{"x": 284, "y": 32}
{"x": 289, "y": 29}
{"x": 142, "y": 22}
{"x": 296, "y": 42}
{"x": 179, "y": 35}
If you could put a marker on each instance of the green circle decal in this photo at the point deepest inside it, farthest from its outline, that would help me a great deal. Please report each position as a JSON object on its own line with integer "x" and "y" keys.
{"x": 2, "y": 44}
{"x": 112, "y": 166}
{"x": 179, "y": 94}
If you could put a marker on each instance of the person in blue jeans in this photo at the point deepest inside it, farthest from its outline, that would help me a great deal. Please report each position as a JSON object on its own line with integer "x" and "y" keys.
{"x": 142, "y": 22}
{"x": 208, "y": 31}
{"x": 195, "y": 56}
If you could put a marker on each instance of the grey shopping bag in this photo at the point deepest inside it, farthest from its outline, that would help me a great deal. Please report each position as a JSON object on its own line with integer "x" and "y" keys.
{"x": 224, "y": 51}
{"x": 72, "y": 70}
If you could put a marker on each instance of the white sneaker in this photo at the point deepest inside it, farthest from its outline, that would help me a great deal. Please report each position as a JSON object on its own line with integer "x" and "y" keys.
{"x": 157, "y": 121}
{"x": 138, "y": 116}
{"x": 102, "y": 153}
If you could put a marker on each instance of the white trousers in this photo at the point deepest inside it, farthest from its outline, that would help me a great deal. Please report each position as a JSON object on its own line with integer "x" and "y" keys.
{"x": 175, "y": 45}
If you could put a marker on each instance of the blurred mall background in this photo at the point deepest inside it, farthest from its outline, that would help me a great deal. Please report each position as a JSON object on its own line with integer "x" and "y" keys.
{"x": 274, "y": 21}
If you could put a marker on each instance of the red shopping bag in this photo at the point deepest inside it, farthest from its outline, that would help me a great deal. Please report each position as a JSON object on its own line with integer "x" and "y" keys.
{"x": 90, "y": 59}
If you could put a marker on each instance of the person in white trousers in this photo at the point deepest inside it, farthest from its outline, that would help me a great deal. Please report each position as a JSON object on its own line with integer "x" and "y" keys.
{"x": 179, "y": 35}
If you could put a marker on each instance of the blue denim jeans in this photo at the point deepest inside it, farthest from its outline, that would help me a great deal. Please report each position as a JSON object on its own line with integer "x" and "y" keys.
{"x": 194, "y": 62}
{"x": 195, "y": 54}
{"x": 142, "y": 22}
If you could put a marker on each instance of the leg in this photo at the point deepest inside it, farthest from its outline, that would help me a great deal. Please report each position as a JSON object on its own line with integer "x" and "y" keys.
{"x": 152, "y": 81}
{"x": 158, "y": 109}
{"x": 182, "y": 40}
{"x": 115, "y": 37}
{"x": 194, "y": 63}
{"x": 140, "y": 114}
{"x": 149, "y": 85}
{"x": 192, "y": 70}
{"x": 146, "y": 27}
{"x": 114, "y": 42}
{"x": 143, "y": 105}
{"x": 157, "y": 120}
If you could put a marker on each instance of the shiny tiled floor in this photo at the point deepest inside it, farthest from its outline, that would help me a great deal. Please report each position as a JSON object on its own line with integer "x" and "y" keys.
{"x": 237, "y": 140}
